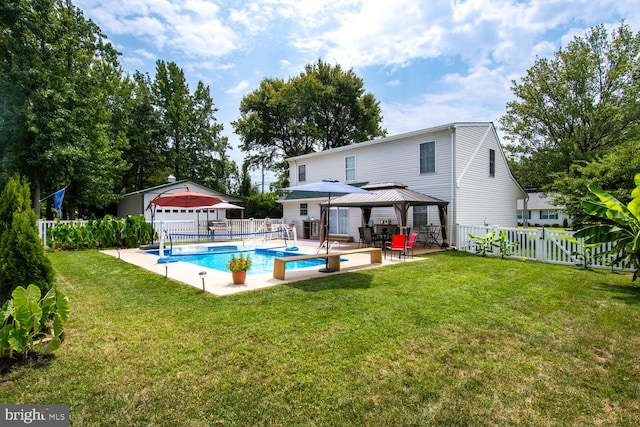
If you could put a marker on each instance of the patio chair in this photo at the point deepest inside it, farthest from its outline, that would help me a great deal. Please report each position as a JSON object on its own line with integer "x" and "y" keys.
{"x": 398, "y": 243}
{"x": 367, "y": 234}
{"x": 411, "y": 243}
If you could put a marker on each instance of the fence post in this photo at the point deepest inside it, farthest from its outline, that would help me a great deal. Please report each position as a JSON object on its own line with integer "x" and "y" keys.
{"x": 541, "y": 245}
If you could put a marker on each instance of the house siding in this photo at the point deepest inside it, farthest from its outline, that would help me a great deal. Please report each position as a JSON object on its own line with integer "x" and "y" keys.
{"x": 483, "y": 199}
{"x": 461, "y": 178}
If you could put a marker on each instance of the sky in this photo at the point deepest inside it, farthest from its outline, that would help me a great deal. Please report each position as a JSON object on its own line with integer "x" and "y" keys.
{"x": 428, "y": 62}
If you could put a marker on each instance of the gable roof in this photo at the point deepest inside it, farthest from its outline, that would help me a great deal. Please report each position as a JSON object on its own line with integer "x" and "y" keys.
{"x": 392, "y": 138}
{"x": 537, "y": 201}
{"x": 182, "y": 183}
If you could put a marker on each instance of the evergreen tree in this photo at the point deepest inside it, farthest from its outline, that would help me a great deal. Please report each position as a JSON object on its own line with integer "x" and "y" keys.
{"x": 22, "y": 258}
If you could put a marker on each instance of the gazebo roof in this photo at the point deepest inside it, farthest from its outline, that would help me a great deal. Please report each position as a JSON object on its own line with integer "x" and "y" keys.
{"x": 386, "y": 194}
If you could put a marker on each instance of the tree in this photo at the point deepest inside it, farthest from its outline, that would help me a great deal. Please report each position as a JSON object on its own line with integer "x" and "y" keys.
{"x": 614, "y": 171}
{"x": 574, "y": 107}
{"x": 145, "y": 154}
{"x": 322, "y": 108}
{"x": 22, "y": 259}
{"x": 54, "y": 67}
{"x": 195, "y": 148}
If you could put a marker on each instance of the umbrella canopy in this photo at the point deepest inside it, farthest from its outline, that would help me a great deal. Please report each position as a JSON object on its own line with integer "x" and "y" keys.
{"x": 224, "y": 205}
{"x": 186, "y": 199}
{"x": 327, "y": 186}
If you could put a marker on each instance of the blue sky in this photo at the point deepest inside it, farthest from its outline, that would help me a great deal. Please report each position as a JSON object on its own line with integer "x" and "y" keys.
{"x": 428, "y": 62}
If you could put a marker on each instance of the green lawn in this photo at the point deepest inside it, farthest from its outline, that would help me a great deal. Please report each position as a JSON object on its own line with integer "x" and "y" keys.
{"x": 455, "y": 340}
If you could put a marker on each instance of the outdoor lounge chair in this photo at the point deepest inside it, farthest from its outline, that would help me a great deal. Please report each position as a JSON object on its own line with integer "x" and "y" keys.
{"x": 398, "y": 243}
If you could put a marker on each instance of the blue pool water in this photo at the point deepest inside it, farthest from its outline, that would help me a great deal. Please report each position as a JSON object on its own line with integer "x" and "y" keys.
{"x": 217, "y": 257}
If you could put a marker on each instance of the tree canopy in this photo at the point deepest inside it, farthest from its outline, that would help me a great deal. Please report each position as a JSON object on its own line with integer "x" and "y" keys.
{"x": 575, "y": 106}
{"x": 70, "y": 117}
{"x": 574, "y": 109}
{"x": 54, "y": 71}
{"x": 322, "y": 108}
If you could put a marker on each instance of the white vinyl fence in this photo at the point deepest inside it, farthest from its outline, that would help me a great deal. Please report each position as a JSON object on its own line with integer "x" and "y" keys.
{"x": 537, "y": 244}
{"x": 189, "y": 227}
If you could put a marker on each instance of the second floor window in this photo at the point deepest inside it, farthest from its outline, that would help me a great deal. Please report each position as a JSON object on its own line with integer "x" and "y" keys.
{"x": 302, "y": 173}
{"x": 428, "y": 157}
{"x": 350, "y": 168}
{"x": 492, "y": 162}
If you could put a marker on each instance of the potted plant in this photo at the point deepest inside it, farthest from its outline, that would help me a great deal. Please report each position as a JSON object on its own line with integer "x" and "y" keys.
{"x": 238, "y": 265}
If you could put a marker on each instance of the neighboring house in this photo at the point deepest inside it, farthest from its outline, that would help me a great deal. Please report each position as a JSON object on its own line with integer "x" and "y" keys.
{"x": 138, "y": 202}
{"x": 461, "y": 163}
{"x": 541, "y": 211}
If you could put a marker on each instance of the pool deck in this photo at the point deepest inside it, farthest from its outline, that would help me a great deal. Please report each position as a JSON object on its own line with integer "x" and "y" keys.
{"x": 219, "y": 282}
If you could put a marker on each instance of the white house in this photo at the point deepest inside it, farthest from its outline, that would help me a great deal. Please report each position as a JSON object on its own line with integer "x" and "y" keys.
{"x": 541, "y": 211}
{"x": 460, "y": 163}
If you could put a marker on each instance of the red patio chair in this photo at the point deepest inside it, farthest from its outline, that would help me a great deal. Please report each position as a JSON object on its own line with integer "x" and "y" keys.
{"x": 398, "y": 243}
{"x": 411, "y": 243}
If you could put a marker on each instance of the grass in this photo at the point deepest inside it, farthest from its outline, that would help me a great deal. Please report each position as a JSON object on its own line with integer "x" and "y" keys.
{"x": 455, "y": 340}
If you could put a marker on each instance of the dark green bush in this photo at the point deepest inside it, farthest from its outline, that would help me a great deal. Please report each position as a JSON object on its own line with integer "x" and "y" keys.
{"x": 22, "y": 259}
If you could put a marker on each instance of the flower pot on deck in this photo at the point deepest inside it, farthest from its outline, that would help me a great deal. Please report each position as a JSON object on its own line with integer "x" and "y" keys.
{"x": 239, "y": 277}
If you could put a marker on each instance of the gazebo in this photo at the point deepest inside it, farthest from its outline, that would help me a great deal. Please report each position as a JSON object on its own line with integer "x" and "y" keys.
{"x": 391, "y": 194}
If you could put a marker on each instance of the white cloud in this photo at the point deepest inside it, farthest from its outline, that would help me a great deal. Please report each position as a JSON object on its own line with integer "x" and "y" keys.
{"x": 239, "y": 88}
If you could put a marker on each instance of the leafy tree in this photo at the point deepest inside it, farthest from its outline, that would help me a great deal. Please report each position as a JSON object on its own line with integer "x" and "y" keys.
{"x": 22, "y": 259}
{"x": 145, "y": 153}
{"x": 54, "y": 71}
{"x": 322, "y": 108}
{"x": 263, "y": 205}
{"x": 245, "y": 188}
{"x": 575, "y": 106}
{"x": 195, "y": 149}
{"x": 614, "y": 170}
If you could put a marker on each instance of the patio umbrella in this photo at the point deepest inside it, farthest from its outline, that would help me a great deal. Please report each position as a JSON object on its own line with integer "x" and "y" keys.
{"x": 327, "y": 186}
{"x": 186, "y": 199}
{"x": 225, "y": 206}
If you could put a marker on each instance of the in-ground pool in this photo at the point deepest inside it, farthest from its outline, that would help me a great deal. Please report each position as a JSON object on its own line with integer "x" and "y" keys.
{"x": 217, "y": 257}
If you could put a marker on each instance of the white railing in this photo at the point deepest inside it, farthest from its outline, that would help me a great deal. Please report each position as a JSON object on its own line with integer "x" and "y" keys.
{"x": 537, "y": 244}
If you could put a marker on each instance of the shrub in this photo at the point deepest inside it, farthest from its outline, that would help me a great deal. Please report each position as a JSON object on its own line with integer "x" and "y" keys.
{"x": 22, "y": 258}
{"x": 108, "y": 232}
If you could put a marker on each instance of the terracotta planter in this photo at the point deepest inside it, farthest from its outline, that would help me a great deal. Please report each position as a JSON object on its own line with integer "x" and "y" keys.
{"x": 239, "y": 277}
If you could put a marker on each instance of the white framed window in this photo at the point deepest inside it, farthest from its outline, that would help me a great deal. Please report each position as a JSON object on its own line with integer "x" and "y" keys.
{"x": 350, "y": 168}
{"x": 302, "y": 173}
{"x": 548, "y": 214}
{"x": 428, "y": 157}
{"x": 304, "y": 209}
{"x": 520, "y": 214}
